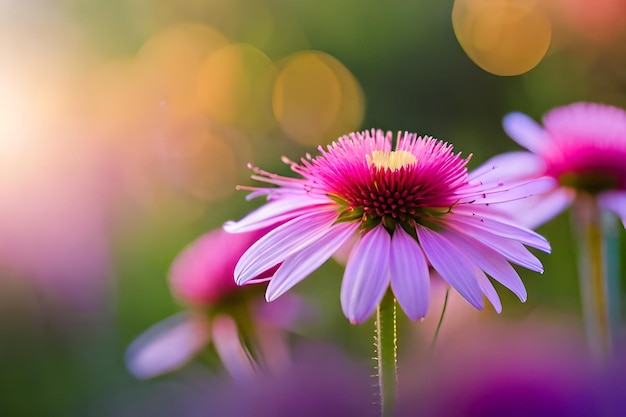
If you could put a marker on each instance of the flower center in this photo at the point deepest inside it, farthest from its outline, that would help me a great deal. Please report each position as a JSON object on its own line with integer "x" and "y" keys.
{"x": 398, "y": 192}
{"x": 589, "y": 168}
{"x": 371, "y": 182}
{"x": 393, "y": 160}
{"x": 593, "y": 182}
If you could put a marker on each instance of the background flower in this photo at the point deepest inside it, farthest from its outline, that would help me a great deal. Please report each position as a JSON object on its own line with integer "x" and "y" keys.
{"x": 581, "y": 145}
{"x": 219, "y": 313}
{"x": 302, "y": 389}
{"x": 538, "y": 368}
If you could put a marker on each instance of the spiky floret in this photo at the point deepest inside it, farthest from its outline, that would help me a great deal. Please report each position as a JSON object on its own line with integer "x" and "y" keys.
{"x": 408, "y": 183}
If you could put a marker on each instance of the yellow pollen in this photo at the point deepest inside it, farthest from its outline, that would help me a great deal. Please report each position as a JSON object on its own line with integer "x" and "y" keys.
{"x": 393, "y": 160}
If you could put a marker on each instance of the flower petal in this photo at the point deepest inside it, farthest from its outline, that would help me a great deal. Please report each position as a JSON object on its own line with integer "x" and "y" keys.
{"x": 167, "y": 346}
{"x": 284, "y": 313}
{"x": 274, "y": 212}
{"x": 202, "y": 273}
{"x": 587, "y": 123}
{"x": 282, "y": 242}
{"x": 489, "y": 261}
{"x": 299, "y": 265}
{"x": 509, "y": 166}
{"x": 367, "y": 275}
{"x": 512, "y": 250}
{"x": 492, "y": 223}
{"x": 410, "y": 280}
{"x": 525, "y": 131}
{"x": 487, "y": 288}
{"x": 228, "y": 346}
{"x": 451, "y": 264}
{"x": 614, "y": 201}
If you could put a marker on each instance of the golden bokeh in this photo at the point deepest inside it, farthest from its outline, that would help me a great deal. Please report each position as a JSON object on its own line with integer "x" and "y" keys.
{"x": 316, "y": 99}
{"x": 503, "y": 37}
{"x": 170, "y": 61}
{"x": 118, "y": 100}
{"x": 234, "y": 85}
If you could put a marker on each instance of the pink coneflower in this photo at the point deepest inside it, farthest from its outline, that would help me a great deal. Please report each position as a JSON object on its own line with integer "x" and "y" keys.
{"x": 201, "y": 277}
{"x": 202, "y": 274}
{"x": 411, "y": 206}
{"x": 582, "y": 146}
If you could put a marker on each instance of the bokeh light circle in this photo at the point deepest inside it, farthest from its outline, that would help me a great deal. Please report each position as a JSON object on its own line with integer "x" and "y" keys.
{"x": 503, "y": 37}
{"x": 234, "y": 85}
{"x": 119, "y": 101}
{"x": 316, "y": 99}
{"x": 170, "y": 61}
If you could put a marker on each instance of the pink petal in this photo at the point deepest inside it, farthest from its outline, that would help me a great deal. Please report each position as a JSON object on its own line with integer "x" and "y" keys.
{"x": 614, "y": 201}
{"x": 525, "y": 131}
{"x": 489, "y": 261}
{"x": 509, "y": 166}
{"x": 228, "y": 346}
{"x": 488, "y": 290}
{"x": 257, "y": 280}
{"x": 284, "y": 313}
{"x": 367, "y": 275}
{"x": 512, "y": 250}
{"x": 343, "y": 253}
{"x": 489, "y": 221}
{"x": 282, "y": 242}
{"x": 410, "y": 280}
{"x": 202, "y": 273}
{"x": 274, "y": 212}
{"x": 299, "y": 265}
{"x": 167, "y": 346}
{"x": 586, "y": 122}
{"x": 536, "y": 210}
{"x": 451, "y": 264}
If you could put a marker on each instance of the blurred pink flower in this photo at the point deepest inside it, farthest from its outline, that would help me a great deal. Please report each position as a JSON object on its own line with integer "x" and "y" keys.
{"x": 582, "y": 146}
{"x": 55, "y": 218}
{"x": 201, "y": 277}
{"x": 538, "y": 367}
{"x": 322, "y": 381}
{"x": 203, "y": 272}
{"x": 410, "y": 206}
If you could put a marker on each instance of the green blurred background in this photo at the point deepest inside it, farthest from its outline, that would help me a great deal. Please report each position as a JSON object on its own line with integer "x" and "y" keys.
{"x": 123, "y": 135}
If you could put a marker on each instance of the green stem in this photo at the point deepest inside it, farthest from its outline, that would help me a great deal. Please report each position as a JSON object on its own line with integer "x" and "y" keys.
{"x": 595, "y": 274}
{"x": 443, "y": 313}
{"x": 386, "y": 354}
